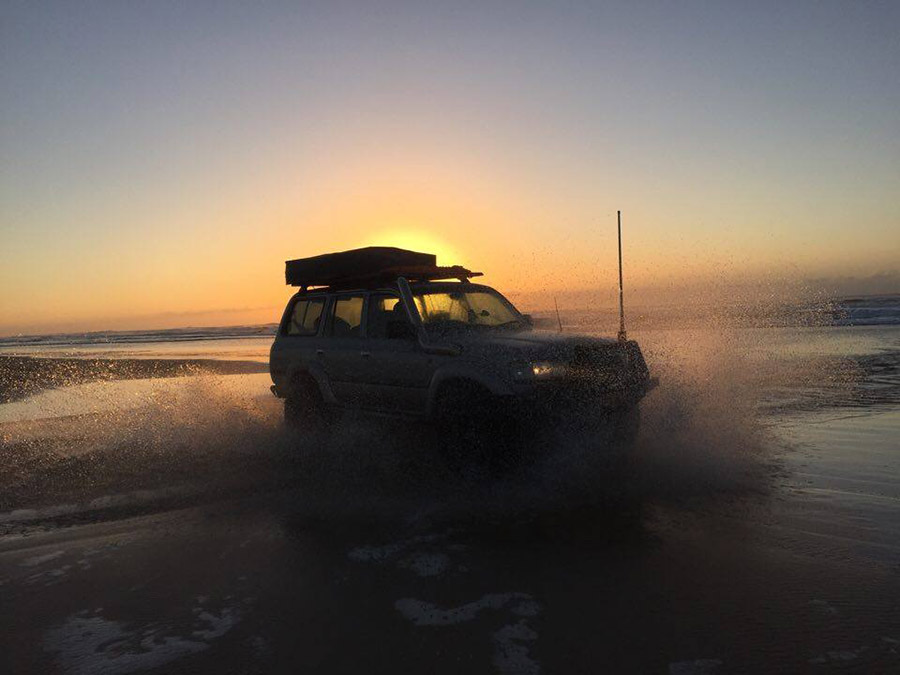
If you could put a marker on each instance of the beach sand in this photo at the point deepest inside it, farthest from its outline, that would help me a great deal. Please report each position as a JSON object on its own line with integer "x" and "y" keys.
{"x": 171, "y": 523}
{"x": 22, "y": 376}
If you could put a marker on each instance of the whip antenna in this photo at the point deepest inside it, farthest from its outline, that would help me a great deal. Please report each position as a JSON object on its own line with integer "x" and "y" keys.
{"x": 622, "y": 336}
{"x": 558, "y": 320}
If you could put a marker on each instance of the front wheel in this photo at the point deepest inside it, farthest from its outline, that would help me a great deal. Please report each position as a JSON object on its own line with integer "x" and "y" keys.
{"x": 476, "y": 430}
{"x": 625, "y": 426}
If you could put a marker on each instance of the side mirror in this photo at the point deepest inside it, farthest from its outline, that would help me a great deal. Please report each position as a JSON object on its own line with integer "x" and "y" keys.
{"x": 400, "y": 330}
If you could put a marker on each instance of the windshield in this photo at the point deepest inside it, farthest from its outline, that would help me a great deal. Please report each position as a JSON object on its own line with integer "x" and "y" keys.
{"x": 451, "y": 308}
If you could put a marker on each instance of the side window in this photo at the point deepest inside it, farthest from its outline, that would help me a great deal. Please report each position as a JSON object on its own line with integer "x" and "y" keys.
{"x": 305, "y": 317}
{"x": 346, "y": 318}
{"x": 383, "y": 309}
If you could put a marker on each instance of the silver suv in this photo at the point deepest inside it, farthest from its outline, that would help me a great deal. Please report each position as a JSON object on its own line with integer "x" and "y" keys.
{"x": 454, "y": 351}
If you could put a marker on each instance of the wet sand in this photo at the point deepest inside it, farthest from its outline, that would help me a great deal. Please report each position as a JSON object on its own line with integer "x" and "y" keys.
{"x": 173, "y": 525}
{"x": 22, "y": 376}
{"x": 267, "y": 582}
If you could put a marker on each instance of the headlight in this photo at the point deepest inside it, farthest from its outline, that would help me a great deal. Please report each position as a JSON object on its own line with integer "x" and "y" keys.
{"x": 539, "y": 370}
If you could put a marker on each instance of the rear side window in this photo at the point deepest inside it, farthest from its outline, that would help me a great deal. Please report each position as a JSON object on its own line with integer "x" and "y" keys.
{"x": 346, "y": 319}
{"x": 306, "y": 316}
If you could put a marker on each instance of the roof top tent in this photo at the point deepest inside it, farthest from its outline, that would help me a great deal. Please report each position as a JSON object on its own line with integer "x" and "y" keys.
{"x": 369, "y": 266}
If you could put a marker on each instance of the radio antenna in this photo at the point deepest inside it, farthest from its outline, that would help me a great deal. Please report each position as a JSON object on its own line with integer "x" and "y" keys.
{"x": 558, "y": 320}
{"x": 622, "y": 336}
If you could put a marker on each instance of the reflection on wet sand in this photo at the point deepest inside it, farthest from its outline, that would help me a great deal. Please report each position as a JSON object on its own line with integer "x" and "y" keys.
{"x": 173, "y": 523}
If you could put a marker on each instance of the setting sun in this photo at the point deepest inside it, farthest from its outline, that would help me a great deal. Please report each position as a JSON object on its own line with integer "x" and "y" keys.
{"x": 419, "y": 239}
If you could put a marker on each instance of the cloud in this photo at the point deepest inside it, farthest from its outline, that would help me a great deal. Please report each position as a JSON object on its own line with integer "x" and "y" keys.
{"x": 880, "y": 283}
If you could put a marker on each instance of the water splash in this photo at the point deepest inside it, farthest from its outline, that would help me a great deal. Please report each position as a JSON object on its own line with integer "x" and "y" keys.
{"x": 704, "y": 434}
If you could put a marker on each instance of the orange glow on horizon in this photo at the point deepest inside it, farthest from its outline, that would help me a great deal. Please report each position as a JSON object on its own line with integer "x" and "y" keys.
{"x": 417, "y": 240}
{"x": 162, "y": 177}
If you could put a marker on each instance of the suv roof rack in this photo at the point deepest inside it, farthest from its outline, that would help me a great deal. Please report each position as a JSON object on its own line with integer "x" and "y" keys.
{"x": 369, "y": 267}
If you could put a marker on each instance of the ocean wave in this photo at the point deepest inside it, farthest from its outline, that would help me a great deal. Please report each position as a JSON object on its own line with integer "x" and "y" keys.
{"x": 871, "y": 311}
{"x": 100, "y": 338}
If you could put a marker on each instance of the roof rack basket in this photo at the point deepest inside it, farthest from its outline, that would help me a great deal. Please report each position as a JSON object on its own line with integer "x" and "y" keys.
{"x": 369, "y": 267}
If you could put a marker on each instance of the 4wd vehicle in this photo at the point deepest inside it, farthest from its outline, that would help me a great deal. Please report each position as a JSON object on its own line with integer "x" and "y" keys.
{"x": 387, "y": 330}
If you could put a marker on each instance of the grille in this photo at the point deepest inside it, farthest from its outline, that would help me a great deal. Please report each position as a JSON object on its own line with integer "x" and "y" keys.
{"x": 598, "y": 357}
{"x": 610, "y": 363}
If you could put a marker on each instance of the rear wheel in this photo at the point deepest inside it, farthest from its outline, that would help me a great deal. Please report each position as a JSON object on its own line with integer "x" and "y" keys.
{"x": 304, "y": 407}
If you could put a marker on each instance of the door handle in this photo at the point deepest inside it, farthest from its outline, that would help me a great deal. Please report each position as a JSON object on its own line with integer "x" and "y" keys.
{"x": 365, "y": 355}
{"x": 320, "y": 352}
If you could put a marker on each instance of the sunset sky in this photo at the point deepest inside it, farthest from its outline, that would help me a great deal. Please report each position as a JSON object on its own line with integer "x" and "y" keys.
{"x": 160, "y": 160}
